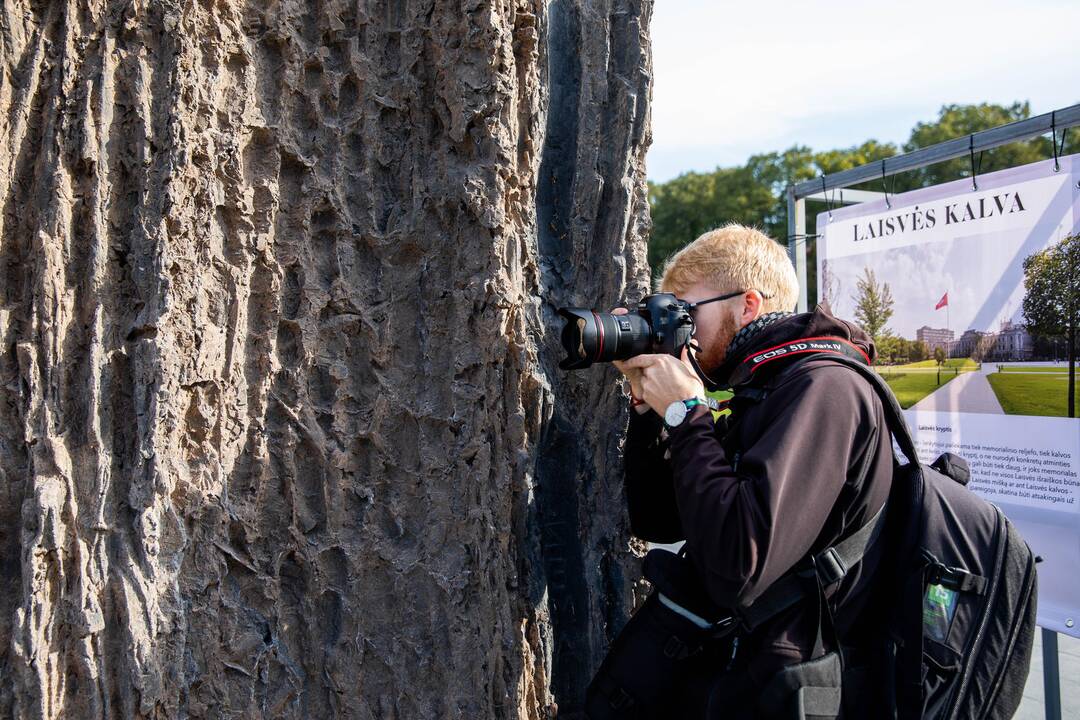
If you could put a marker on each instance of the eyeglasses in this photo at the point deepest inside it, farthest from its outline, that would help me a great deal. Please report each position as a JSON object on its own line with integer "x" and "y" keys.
{"x": 693, "y": 305}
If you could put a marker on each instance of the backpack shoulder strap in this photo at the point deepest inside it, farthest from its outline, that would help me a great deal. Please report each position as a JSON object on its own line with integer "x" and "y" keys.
{"x": 837, "y": 350}
{"x": 832, "y": 564}
{"x": 894, "y": 415}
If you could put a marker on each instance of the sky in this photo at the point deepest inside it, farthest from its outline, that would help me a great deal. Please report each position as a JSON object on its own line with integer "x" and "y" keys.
{"x": 735, "y": 79}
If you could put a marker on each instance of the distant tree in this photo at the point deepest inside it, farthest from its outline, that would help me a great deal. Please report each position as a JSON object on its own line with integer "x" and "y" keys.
{"x": 776, "y": 171}
{"x": 1052, "y": 299}
{"x": 887, "y": 349}
{"x": 939, "y": 358}
{"x": 955, "y": 121}
{"x": 694, "y": 202}
{"x": 873, "y": 305}
{"x": 829, "y": 285}
{"x": 919, "y": 351}
{"x": 830, "y": 162}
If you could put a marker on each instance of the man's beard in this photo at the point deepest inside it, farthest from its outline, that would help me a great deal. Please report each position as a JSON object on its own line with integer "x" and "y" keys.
{"x": 714, "y": 352}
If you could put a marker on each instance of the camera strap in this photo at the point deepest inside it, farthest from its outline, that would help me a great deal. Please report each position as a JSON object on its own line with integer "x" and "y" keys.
{"x": 824, "y": 344}
{"x": 707, "y": 381}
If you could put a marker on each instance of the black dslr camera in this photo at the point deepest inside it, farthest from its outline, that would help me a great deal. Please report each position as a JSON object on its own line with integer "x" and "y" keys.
{"x": 663, "y": 324}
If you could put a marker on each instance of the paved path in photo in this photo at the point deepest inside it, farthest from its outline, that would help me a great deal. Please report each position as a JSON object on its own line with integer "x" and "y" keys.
{"x": 1033, "y": 706}
{"x": 969, "y": 392}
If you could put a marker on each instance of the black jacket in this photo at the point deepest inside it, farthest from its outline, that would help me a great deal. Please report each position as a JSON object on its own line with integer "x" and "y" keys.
{"x": 815, "y": 463}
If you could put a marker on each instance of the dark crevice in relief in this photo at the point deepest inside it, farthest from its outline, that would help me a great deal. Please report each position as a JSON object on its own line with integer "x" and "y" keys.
{"x": 555, "y": 191}
{"x": 558, "y": 472}
{"x": 561, "y": 456}
{"x": 622, "y": 66}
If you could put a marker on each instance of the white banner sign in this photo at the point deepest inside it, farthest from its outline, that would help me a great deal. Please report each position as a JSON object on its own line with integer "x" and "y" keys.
{"x": 952, "y": 257}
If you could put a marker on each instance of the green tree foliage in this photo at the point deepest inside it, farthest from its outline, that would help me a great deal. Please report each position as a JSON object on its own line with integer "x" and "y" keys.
{"x": 889, "y": 349}
{"x": 893, "y": 349}
{"x": 956, "y": 121}
{"x": 1052, "y": 298}
{"x": 693, "y": 203}
{"x": 874, "y": 307}
{"x": 834, "y": 161}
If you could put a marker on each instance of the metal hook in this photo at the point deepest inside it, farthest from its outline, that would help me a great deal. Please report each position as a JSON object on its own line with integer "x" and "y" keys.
{"x": 1053, "y": 139}
{"x": 885, "y": 187}
{"x": 971, "y": 148}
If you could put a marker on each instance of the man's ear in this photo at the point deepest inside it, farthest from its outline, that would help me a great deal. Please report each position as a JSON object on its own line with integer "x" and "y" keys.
{"x": 751, "y": 308}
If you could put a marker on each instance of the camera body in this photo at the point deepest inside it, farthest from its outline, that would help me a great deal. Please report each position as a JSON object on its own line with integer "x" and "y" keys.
{"x": 663, "y": 324}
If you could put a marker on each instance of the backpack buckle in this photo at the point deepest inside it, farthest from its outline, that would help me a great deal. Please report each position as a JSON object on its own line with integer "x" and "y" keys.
{"x": 621, "y": 700}
{"x": 830, "y": 567}
{"x": 676, "y": 649}
{"x": 941, "y": 574}
{"x": 722, "y": 627}
{"x": 956, "y": 579}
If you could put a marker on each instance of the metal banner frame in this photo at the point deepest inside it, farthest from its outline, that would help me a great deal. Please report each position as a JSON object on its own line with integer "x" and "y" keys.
{"x": 818, "y": 190}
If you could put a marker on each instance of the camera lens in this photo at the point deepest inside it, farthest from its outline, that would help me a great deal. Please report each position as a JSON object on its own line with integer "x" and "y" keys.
{"x": 591, "y": 336}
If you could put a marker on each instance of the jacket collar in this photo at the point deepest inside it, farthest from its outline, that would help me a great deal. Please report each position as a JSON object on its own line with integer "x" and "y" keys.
{"x": 818, "y": 323}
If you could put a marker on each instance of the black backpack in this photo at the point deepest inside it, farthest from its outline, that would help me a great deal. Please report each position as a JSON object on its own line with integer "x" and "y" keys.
{"x": 959, "y": 601}
{"x": 952, "y": 620}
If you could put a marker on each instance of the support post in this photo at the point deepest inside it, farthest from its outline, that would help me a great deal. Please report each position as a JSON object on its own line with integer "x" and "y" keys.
{"x": 796, "y": 222}
{"x": 1051, "y": 678}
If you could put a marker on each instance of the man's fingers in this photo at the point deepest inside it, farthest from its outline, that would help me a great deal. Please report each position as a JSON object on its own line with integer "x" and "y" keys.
{"x": 619, "y": 311}
{"x": 639, "y": 362}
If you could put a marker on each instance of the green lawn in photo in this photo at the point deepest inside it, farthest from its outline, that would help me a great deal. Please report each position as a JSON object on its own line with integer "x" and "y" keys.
{"x": 1033, "y": 394}
{"x": 961, "y": 364}
{"x": 910, "y": 388}
{"x": 1064, "y": 368}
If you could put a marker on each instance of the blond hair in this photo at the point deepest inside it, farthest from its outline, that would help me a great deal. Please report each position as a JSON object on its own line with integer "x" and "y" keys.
{"x": 734, "y": 258}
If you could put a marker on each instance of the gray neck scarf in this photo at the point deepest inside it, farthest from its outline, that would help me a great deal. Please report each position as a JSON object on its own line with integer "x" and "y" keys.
{"x": 753, "y": 329}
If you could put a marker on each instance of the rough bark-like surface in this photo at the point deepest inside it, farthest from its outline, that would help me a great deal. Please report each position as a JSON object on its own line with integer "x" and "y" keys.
{"x": 281, "y": 428}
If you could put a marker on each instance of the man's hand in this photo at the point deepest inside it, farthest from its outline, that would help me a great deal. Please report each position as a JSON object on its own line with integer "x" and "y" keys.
{"x": 662, "y": 379}
{"x": 632, "y": 374}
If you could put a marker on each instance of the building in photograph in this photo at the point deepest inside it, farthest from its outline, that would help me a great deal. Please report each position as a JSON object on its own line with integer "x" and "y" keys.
{"x": 935, "y": 337}
{"x": 1012, "y": 342}
{"x": 971, "y": 344}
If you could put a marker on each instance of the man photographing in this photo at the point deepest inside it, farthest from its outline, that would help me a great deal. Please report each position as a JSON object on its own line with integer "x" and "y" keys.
{"x": 800, "y": 466}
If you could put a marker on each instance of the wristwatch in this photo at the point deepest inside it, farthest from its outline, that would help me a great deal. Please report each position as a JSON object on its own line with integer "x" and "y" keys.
{"x": 677, "y": 411}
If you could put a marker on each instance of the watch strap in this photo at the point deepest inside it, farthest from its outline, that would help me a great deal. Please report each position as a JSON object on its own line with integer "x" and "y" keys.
{"x": 689, "y": 404}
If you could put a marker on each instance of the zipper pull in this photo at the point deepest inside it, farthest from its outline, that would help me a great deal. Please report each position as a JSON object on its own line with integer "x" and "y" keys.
{"x": 734, "y": 649}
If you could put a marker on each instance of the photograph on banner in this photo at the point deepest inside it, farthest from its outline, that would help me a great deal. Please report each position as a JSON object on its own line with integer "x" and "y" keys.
{"x": 960, "y": 285}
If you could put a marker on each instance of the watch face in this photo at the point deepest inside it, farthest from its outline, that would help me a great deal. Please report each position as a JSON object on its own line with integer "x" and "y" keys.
{"x": 675, "y": 413}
